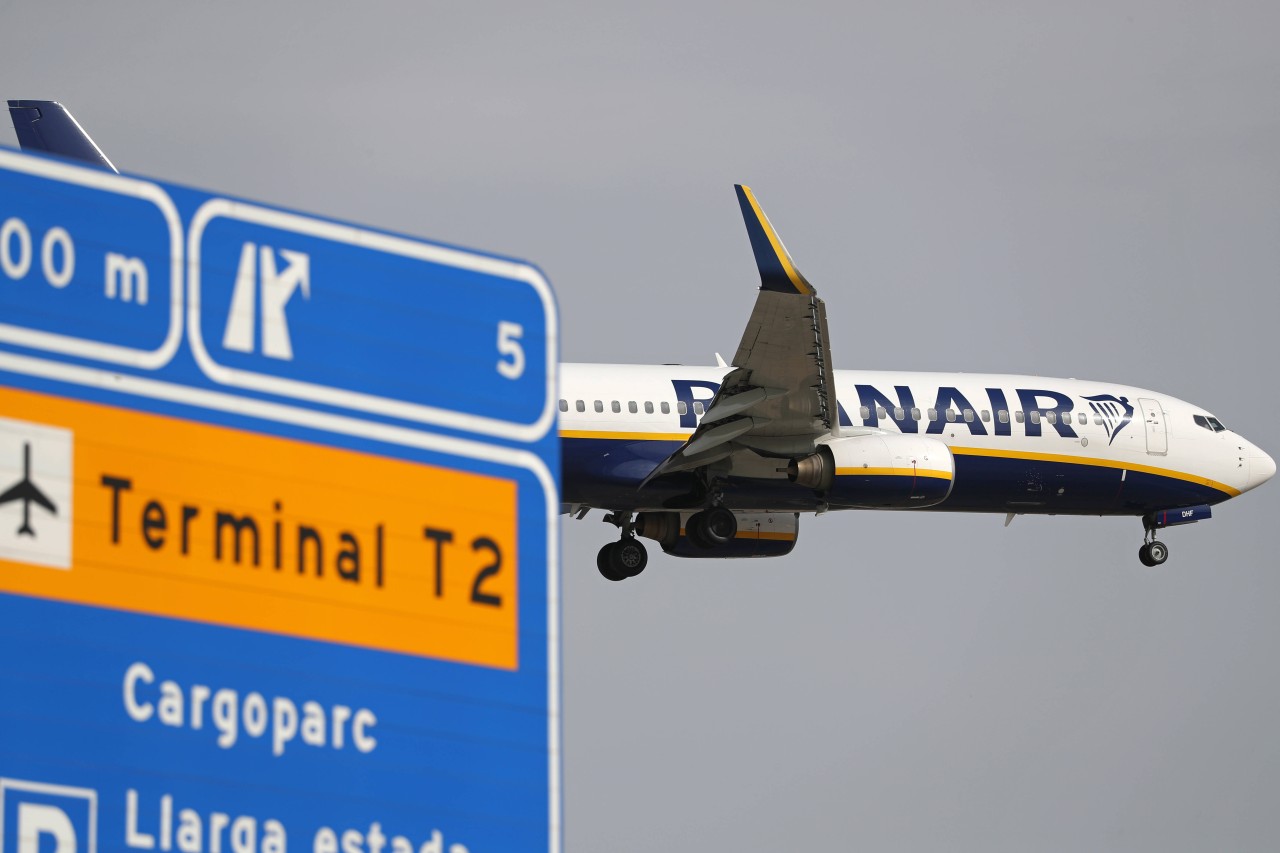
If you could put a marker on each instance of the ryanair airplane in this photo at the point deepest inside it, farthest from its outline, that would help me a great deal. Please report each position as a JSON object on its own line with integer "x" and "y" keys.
{"x": 721, "y": 461}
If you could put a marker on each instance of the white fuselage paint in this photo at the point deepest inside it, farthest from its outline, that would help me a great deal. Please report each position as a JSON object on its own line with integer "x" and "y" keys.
{"x": 1164, "y": 439}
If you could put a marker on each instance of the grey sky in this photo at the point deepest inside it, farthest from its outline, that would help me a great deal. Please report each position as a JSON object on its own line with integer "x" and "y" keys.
{"x": 1085, "y": 190}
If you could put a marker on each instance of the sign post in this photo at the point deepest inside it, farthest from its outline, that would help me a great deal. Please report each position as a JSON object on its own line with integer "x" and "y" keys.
{"x": 278, "y": 548}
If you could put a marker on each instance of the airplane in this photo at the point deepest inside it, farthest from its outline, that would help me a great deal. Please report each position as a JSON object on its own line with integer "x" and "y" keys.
{"x": 27, "y": 492}
{"x": 722, "y": 461}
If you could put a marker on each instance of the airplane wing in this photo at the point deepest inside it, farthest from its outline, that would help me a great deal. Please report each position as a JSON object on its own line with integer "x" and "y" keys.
{"x": 779, "y": 399}
{"x": 27, "y": 491}
{"x": 49, "y": 127}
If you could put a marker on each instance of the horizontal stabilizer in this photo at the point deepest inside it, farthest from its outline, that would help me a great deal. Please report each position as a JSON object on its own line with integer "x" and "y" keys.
{"x": 777, "y": 272}
{"x": 47, "y": 126}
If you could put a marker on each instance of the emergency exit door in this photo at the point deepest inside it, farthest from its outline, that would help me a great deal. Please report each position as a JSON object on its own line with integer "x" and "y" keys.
{"x": 1157, "y": 438}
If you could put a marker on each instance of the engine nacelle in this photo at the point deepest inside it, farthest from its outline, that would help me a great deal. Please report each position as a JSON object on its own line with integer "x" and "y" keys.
{"x": 760, "y": 534}
{"x": 878, "y": 471}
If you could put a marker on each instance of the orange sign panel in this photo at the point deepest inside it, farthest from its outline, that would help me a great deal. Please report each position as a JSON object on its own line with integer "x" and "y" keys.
{"x": 173, "y": 518}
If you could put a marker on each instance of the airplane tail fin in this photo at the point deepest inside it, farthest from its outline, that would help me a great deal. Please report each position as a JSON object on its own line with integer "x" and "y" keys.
{"x": 25, "y": 530}
{"x": 777, "y": 271}
{"x": 49, "y": 127}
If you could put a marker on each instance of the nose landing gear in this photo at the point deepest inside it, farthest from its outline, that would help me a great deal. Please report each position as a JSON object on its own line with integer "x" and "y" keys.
{"x": 1153, "y": 552}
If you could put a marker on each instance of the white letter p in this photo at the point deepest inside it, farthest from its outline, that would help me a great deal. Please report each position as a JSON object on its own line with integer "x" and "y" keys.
{"x": 35, "y": 820}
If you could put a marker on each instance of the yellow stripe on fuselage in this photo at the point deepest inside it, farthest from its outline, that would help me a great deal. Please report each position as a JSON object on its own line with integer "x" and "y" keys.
{"x": 1117, "y": 464}
{"x": 792, "y": 273}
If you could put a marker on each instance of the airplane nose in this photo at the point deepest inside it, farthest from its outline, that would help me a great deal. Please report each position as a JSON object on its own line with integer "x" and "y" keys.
{"x": 1261, "y": 468}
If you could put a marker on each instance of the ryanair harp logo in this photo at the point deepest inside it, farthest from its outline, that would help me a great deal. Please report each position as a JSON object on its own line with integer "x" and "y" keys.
{"x": 1114, "y": 411}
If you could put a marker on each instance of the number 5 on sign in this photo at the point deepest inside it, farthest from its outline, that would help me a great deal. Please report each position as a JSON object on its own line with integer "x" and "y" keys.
{"x": 509, "y": 335}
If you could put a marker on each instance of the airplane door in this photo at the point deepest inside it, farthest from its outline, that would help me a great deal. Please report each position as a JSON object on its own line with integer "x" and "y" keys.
{"x": 1157, "y": 438}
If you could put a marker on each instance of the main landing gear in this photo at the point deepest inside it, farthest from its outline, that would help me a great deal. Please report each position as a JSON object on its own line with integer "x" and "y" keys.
{"x": 1153, "y": 552}
{"x": 711, "y": 527}
{"x": 625, "y": 558}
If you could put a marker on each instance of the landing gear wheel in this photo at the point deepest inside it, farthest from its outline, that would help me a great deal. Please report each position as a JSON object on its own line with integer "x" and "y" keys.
{"x": 720, "y": 525}
{"x": 696, "y": 529}
{"x": 628, "y": 557}
{"x": 620, "y": 560}
{"x": 604, "y": 563}
{"x": 1154, "y": 553}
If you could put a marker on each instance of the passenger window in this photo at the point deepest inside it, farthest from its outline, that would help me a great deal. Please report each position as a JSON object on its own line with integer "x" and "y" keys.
{"x": 1003, "y": 416}
{"x": 1019, "y": 416}
{"x": 933, "y": 414}
{"x": 951, "y": 416}
{"x": 666, "y": 407}
{"x": 986, "y": 416}
{"x": 968, "y": 415}
{"x": 631, "y": 407}
{"x": 564, "y": 405}
{"x": 1082, "y": 419}
{"x": 698, "y": 408}
{"x": 1035, "y": 417}
{"x": 580, "y": 406}
{"x": 1097, "y": 420}
{"x": 1052, "y": 417}
{"x": 881, "y": 413}
{"x": 865, "y": 413}
{"x": 599, "y": 406}
{"x": 648, "y": 407}
{"x": 898, "y": 413}
{"x": 615, "y": 406}
{"x": 682, "y": 407}
{"x": 915, "y": 413}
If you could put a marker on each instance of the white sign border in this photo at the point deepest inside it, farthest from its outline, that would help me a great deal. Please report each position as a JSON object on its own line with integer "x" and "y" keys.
{"x": 223, "y": 208}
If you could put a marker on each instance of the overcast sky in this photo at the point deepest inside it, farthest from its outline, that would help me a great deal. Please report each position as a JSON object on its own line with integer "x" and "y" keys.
{"x": 1085, "y": 189}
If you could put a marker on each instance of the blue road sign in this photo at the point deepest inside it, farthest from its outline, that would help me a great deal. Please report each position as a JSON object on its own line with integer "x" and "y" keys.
{"x": 278, "y": 503}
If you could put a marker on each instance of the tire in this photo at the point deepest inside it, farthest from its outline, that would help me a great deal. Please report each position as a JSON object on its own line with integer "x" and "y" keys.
{"x": 695, "y": 529}
{"x": 719, "y": 525}
{"x": 1145, "y": 557}
{"x": 605, "y": 563}
{"x": 628, "y": 557}
{"x": 1158, "y": 552}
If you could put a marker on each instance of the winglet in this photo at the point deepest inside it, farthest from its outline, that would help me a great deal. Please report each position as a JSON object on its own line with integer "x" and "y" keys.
{"x": 47, "y": 126}
{"x": 777, "y": 271}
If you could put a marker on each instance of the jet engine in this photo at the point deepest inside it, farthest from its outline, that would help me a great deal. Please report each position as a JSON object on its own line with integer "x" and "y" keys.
{"x": 878, "y": 471}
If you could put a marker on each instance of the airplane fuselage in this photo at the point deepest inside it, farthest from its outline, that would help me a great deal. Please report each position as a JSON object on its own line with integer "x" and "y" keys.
{"x": 1021, "y": 444}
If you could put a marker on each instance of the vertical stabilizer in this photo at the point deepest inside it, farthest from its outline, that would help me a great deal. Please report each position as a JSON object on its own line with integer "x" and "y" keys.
{"x": 48, "y": 126}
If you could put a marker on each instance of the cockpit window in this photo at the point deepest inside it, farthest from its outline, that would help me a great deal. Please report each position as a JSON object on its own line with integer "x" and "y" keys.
{"x": 1211, "y": 424}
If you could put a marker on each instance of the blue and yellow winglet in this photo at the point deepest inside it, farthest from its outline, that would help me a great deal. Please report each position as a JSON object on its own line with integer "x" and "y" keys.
{"x": 777, "y": 272}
